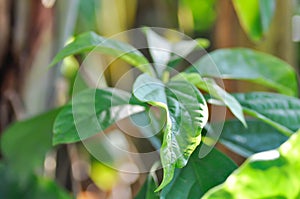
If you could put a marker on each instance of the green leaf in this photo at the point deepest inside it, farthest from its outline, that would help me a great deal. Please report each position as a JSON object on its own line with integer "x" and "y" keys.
{"x": 267, "y": 11}
{"x": 25, "y": 138}
{"x": 160, "y": 50}
{"x": 280, "y": 108}
{"x": 270, "y": 174}
{"x": 166, "y": 53}
{"x": 90, "y": 41}
{"x": 187, "y": 113}
{"x": 199, "y": 175}
{"x": 211, "y": 87}
{"x": 248, "y": 65}
{"x": 90, "y": 112}
{"x": 256, "y": 138}
{"x": 204, "y": 13}
{"x": 255, "y": 16}
{"x": 148, "y": 189}
{"x": 34, "y": 187}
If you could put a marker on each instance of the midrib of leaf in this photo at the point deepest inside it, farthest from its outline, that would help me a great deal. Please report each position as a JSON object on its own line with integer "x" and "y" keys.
{"x": 282, "y": 129}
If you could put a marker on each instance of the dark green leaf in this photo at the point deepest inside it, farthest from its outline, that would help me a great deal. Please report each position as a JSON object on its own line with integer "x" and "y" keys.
{"x": 33, "y": 188}
{"x": 255, "y": 16}
{"x": 148, "y": 189}
{"x": 91, "y": 112}
{"x": 282, "y": 109}
{"x": 25, "y": 138}
{"x": 199, "y": 175}
{"x": 256, "y": 138}
{"x": 270, "y": 174}
{"x": 187, "y": 114}
{"x": 90, "y": 41}
{"x": 248, "y": 65}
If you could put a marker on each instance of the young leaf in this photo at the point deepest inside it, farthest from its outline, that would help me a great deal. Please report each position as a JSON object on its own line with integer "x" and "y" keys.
{"x": 90, "y": 41}
{"x": 270, "y": 174}
{"x": 255, "y": 16}
{"x": 256, "y": 138}
{"x": 187, "y": 113}
{"x": 211, "y": 87}
{"x": 199, "y": 175}
{"x": 248, "y": 65}
{"x": 25, "y": 138}
{"x": 91, "y": 112}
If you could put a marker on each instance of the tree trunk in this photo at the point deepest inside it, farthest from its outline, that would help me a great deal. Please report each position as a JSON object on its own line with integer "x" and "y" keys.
{"x": 23, "y": 25}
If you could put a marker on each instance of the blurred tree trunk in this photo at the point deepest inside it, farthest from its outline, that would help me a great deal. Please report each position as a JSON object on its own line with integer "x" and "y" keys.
{"x": 32, "y": 31}
{"x": 23, "y": 27}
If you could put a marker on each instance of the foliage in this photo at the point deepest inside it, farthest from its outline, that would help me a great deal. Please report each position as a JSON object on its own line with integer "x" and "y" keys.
{"x": 183, "y": 100}
{"x": 255, "y": 16}
{"x": 186, "y": 109}
{"x": 33, "y": 188}
{"x": 18, "y": 171}
{"x": 270, "y": 174}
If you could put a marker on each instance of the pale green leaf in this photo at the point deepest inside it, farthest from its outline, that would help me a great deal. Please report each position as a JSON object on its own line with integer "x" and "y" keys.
{"x": 270, "y": 174}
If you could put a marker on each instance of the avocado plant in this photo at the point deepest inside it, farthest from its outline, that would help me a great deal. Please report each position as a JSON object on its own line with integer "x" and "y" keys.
{"x": 264, "y": 120}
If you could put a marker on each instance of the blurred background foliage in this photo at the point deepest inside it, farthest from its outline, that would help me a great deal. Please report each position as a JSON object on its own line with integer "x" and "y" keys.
{"x": 33, "y": 31}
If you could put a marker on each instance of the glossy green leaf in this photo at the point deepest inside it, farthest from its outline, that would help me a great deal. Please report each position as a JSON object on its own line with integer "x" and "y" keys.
{"x": 199, "y": 175}
{"x": 90, "y": 41}
{"x": 257, "y": 137}
{"x": 255, "y": 16}
{"x": 281, "y": 109}
{"x": 33, "y": 188}
{"x": 270, "y": 174}
{"x": 248, "y": 65}
{"x": 25, "y": 138}
{"x": 187, "y": 114}
{"x": 211, "y": 87}
{"x": 90, "y": 112}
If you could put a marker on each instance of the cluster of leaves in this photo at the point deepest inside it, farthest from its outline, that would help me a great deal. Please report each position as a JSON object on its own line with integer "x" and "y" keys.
{"x": 274, "y": 116}
{"x": 277, "y": 115}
